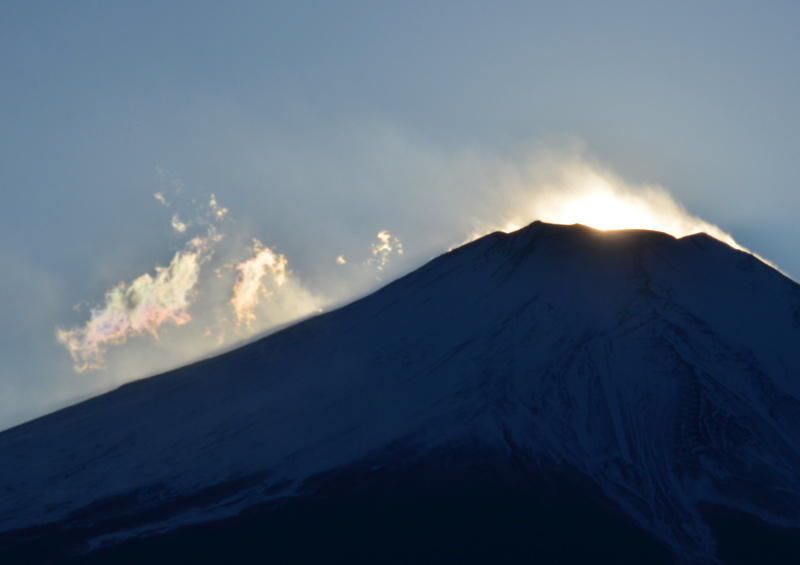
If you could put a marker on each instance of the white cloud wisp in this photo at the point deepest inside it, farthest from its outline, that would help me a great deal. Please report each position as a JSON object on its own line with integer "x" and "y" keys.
{"x": 574, "y": 189}
{"x": 249, "y": 281}
{"x": 143, "y": 306}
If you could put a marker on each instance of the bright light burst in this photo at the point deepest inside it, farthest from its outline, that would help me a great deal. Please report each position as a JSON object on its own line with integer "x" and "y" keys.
{"x": 599, "y": 199}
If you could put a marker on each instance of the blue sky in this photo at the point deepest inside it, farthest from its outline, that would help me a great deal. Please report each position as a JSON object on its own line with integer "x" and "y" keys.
{"x": 320, "y": 125}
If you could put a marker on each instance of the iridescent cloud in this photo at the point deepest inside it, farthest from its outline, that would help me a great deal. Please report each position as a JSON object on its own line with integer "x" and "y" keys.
{"x": 249, "y": 281}
{"x": 143, "y": 306}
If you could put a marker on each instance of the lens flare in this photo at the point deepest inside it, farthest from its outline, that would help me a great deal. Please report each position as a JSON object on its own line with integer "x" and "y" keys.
{"x": 249, "y": 284}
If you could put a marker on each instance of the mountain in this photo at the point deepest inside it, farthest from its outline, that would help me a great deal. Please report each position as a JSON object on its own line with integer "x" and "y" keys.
{"x": 554, "y": 395}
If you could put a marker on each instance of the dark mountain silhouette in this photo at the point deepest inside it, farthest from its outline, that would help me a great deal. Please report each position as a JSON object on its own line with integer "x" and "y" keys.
{"x": 554, "y": 395}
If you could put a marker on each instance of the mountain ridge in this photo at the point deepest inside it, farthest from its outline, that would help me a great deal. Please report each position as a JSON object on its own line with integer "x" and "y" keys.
{"x": 661, "y": 371}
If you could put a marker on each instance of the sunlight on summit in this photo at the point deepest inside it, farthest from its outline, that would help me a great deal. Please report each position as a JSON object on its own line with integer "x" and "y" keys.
{"x": 604, "y": 210}
{"x": 584, "y": 193}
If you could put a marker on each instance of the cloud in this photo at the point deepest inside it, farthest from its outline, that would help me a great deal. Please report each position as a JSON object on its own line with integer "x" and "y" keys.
{"x": 160, "y": 197}
{"x": 322, "y": 196}
{"x": 178, "y": 225}
{"x": 218, "y": 211}
{"x": 437, "y": 199}
{"x": 382, "y": 251}
{"x": 198, "y": 298}
{"x": 142, "y": 306}
{"x": 215, "y": 295}
{"x": 569, "y": 186}
{"x": 249, "y": 281}
{"x": 573, "y": 188}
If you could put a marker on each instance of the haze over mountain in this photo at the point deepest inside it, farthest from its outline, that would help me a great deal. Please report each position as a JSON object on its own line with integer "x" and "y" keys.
{"x": 559, "y": 393}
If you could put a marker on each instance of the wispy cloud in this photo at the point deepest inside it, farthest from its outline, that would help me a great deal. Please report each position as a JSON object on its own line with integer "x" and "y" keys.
{"x": 178, "y": 225}
{"x": 568, "y": 188}
{"x": 219, "y": 295}
{"x": 250, "y": 284}
{"x": 218, "y": 211}
{"x": 149, "y": 302}
{"x": 196, "y": 291}
{"x": 383, "y": 250}
{"x": 142, "y": 306}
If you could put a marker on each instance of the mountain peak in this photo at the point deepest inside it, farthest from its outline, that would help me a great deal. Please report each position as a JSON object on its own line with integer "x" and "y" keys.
{"x": 658, "y": 376}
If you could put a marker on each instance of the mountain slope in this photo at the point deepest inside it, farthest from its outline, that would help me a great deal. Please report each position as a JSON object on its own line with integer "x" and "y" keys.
{"x": 658, "y": 378}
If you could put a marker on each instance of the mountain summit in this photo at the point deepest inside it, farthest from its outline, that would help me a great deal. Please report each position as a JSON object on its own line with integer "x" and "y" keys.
{"x": 557, "y": 394}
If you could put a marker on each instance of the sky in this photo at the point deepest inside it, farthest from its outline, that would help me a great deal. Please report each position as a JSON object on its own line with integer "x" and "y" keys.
{"x": 181, "y": 177}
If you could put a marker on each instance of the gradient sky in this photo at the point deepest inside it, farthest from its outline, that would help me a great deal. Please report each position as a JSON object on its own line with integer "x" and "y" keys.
{"x": 320, "y": 125}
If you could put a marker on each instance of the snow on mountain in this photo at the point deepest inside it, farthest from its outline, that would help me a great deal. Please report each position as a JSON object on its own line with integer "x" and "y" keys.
{"x": 666, "y": 372}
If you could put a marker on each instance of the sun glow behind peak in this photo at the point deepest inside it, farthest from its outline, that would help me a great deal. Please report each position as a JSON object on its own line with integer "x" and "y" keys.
{"x": 604, "y": 210}
{"x": 585, "y": 193}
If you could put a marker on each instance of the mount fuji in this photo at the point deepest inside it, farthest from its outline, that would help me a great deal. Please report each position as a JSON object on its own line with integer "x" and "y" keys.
{"x": 554, "y": 395}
